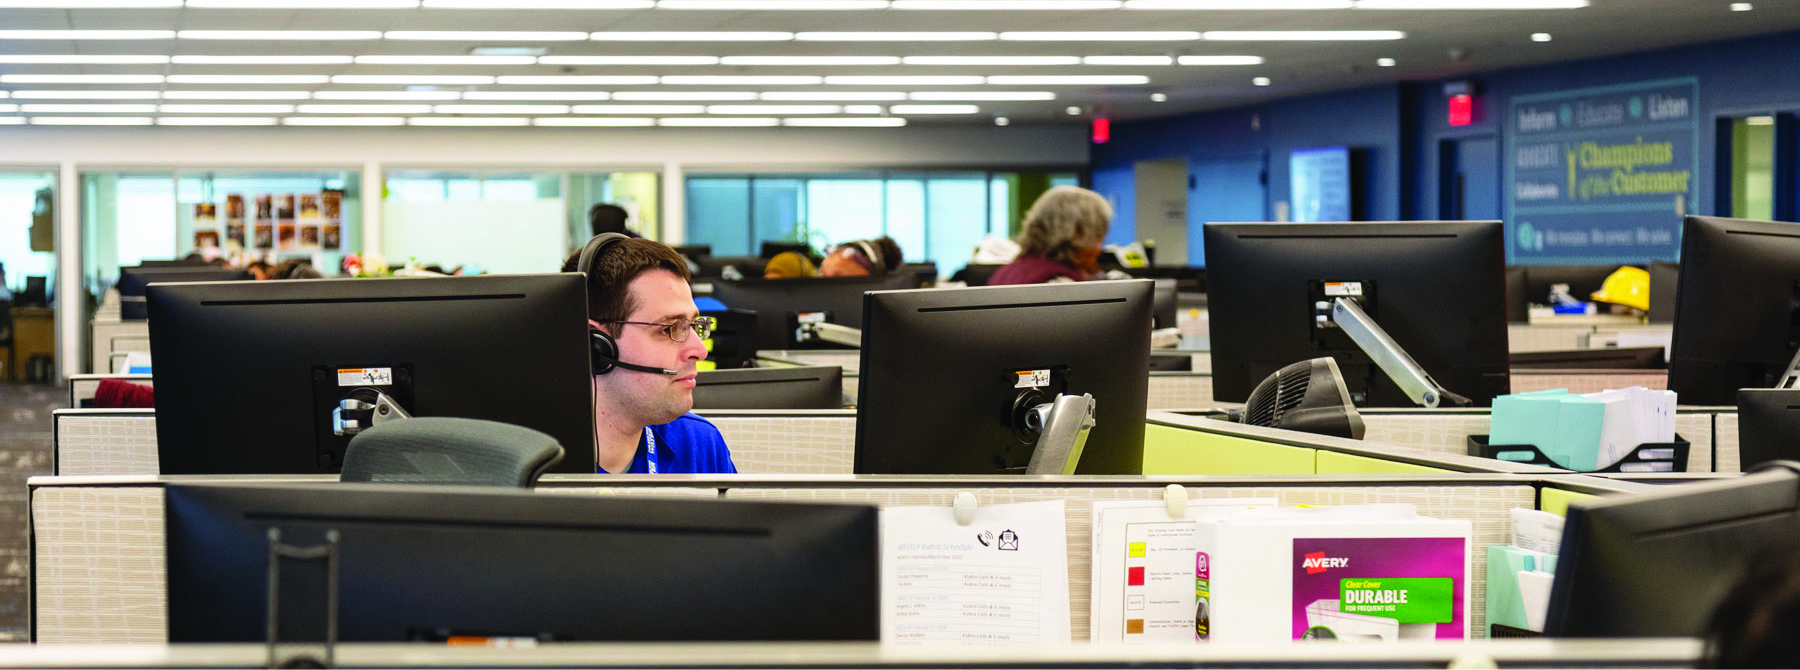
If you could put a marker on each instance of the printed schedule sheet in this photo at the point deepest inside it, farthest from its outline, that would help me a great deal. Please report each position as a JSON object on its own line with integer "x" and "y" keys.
{"x": 1002, "y": 580}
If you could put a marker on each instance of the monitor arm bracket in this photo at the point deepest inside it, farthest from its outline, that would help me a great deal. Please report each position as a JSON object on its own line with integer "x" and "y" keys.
{"x": 1062, "y": 427}
{"x": 363, "y": 409}
{"x": 1791, "y": 378}
{"x": 820, "y": 331}
{"x": 1389, "y": 356}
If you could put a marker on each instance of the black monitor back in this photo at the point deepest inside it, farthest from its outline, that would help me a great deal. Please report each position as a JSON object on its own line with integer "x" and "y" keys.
{"x": 773, "y": 249}
{"x": 778, "y": 302}
{"x": 807, "y": 387}
{"x": 693, "y": 251}
{"x": 924, "y": 274}
{"x": 427, "y": 563}
{"x": 247, "y": 372}
{"x": 1768, "y": 426}
{"x": 1737, "y": 312}
{"x": 133, "y": 281}
{"x": 1438, "y": 288}
{"x": 712, "y": 267}
{"x": 940, "y": 374}
{"x": 1657, "y": 564}
{"x": 733, "y": 338}
{"x": 976, "y": 274}
{"x": 1665, "y": 284}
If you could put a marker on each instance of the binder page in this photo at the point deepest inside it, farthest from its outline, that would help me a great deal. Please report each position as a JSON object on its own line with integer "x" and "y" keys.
{"x": 1002, "y": 580}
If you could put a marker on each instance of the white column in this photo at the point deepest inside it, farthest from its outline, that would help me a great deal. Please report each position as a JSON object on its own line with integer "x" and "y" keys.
{"x": 674, "y": 215}
{"x": 70, "y": 316}
{"x": 372, "y": 183}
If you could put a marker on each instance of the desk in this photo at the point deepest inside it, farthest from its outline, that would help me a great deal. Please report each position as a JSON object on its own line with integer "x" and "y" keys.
{"x": 34, "y": 332}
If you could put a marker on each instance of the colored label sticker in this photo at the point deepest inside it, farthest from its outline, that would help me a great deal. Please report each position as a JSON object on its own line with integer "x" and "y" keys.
{"x": 1403, "y": 599}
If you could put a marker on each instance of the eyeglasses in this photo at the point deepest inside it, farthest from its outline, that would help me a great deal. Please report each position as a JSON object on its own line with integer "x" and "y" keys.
{"x": 678, "y": 329}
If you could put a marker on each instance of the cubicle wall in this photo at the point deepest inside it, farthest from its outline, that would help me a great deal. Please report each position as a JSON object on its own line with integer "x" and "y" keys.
{"x": 98, "y": 546}
{"x": 83, "y": 387}
{"x": 104, "y": 442}
{"x": 117, "y": 337}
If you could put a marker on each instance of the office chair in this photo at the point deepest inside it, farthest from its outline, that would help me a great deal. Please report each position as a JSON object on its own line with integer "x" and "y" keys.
{"x": 449, "y": 451}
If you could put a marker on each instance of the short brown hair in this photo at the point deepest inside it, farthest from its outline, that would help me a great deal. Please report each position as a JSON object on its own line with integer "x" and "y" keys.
{"x": 615, "y": 268}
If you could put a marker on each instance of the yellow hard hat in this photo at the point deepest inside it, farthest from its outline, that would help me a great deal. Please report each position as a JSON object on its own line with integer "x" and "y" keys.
{"x": 1629, "y": 286}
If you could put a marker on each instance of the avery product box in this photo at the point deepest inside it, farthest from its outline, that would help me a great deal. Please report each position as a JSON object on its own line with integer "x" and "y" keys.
{"x": 1329, "y": 575}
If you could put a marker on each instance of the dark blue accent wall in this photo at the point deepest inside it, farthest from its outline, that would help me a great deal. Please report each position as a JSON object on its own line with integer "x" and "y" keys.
{"x": 1398, "y": 127}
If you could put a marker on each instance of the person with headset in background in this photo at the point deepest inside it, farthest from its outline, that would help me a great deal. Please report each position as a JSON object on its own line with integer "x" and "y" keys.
{"x": 862, "y": 258}
{"x": 648, "y": 338}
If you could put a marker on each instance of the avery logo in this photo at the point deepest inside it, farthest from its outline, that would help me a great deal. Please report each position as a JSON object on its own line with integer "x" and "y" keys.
{"x": 1316, "y": 563}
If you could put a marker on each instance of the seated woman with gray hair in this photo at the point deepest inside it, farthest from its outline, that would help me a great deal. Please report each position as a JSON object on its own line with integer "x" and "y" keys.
{"x": 1060, "y": 239}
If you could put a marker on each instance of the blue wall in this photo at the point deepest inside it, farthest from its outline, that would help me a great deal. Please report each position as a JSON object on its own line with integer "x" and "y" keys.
{"x": 1399, "y": 126}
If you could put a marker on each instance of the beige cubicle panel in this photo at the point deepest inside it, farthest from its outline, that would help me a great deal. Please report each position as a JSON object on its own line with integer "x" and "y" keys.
{"x": 103, "y": 442}
{"x": 1725, "y": 442}
{"x": 1448, "y": 430}
{"x": 1587, "y": 381}
{"x": 110, "y": 337}
{"x": 98, "y": 552}
{"x": 819, "y": 442}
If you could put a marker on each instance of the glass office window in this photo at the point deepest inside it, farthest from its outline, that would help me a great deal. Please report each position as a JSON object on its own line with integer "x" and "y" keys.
{"x": 778, "y": 212}
{"x": 906, "y": 216}
{"x": 1753, "y": 168}
{"x": 718, "y": 214}
{"x": 270, "y": 215}
{"x": 639, "y": 193}
{"x": 958, "y": 215}
{"x": 840, "y": 210}
{"x": 27, "y": 229}
{"x": 504, "y": 222}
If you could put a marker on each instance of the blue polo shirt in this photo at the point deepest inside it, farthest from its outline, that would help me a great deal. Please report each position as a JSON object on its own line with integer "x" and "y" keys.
{"x": 687, "y": 445}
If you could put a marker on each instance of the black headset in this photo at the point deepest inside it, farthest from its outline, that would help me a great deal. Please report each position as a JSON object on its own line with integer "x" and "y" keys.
{"x": 606, "y": 349}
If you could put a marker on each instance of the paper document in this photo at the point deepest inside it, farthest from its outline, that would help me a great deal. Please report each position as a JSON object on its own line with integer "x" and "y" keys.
{"x": 1150, "y": 580}
{"x": 1003, "y": 580}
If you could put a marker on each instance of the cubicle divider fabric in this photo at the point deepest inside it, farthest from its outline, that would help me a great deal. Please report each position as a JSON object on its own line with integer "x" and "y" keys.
{"x": 104, "y": 442}
{"x": 819, "y": 442}
{"x": 1725, "y": 443}
{"x": 1448, "y": 431}
{"x": 110, "y": 337}
{"x": 1587, "y": 381}
{"x": 98, "y": 545}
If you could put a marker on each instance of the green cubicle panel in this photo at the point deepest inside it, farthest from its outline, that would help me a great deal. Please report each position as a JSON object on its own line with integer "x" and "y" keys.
{"x": 1334, "y": 463}
{"x": 1174, "y": 451}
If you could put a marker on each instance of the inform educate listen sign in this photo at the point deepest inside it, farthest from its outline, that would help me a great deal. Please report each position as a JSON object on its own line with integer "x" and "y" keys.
{"x": 1598, "y": 176}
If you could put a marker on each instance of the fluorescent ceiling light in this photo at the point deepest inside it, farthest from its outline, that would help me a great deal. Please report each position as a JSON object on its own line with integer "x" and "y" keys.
{"x": 86, "y": 34}
{"x": 577, "y": 80}
{"x": 226, "y": 109}
{"x": 413, "y": 79}
{"x": 828, "y": 61}
{"x": 990, "y": 5}
{"x": 260, "y": 35}
{"x": 469, "y": 121}
{"x": 88, "y": 4}
{"x": 1128, "y": 60}
{"x": 593, "y": 122}
{"x": 262, "y": 60}
{"x": 1471, "y": 4}
{"x": 1159, "y": 97}
{"x": 12, "y": 120}
{"x": 84, "y": 95}
{"x": 904, "y": 80}
{"x": 1303, "y": 35}
{"x": 1102, "y": 36}
{"x": 992, "y": 60}
{"x": 364, "y": 109}
{"x": 933, "y": 109}
{"x": 879, "y": 122}
{"x": 690, "y": 36}
{"x": 1258, "y": 5}
{"x": 4, "y": 94}
{"x": 1070, "y": 80}
{"x": 248, "y": 79}
{"x": 684, "y": 95}
{"x": 386, "y": 95}
{"x": 639, "y": 109}
{"x": 235, "y": 95}
{"x": 1540, "y": 37}
{"x": 487, "y": 35}
{"x": 1002, "y": 121}
{"x": 1220, "y": 60}
{"x": 985, "y": 96}
{"x": 743, "y": 122}
{"x": 734, "y": 80}
{"x": 1741, "y": 7}
{"x": 217, "y": 121}
{"x": 90, "y": 120}
{"x": 509, "y": 51}
{"x": 780, "y": 110}
{"x": 446, "y": 60}
{"x": 629, "y": 60}
{"x": 501, "y": 109}
{"x": 1759, "y": 120}
{"x": 9, "y": 109}
{"x": 1384, "y": 62}
{"x": 343, "y": 121}
{"x": 306, "y": 4}
{"x": 862, "y": 109}
{"x": 539, "y": 4}
{"x": 1260, "y": 81}
{"x": 895, "y": 36}
{"x": 81, "y": 78}
{"x": 81, "y": 59}
{"x": 537, "y": 95}
{"x": 804, "y": 96}
{"x": 773, "y": 5}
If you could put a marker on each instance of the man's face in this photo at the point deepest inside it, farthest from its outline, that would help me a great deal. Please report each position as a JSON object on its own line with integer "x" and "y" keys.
{"x": 654, "y": 399}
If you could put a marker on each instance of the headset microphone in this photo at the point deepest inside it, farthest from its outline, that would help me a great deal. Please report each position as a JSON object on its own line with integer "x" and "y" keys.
{"x": 622, "y": 365}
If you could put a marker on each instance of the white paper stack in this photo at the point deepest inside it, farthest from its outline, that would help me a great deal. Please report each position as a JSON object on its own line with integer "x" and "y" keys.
{"x": 1635, "y": 416}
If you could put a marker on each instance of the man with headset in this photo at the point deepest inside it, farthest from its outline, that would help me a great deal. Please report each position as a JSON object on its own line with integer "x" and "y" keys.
{"x": 648, "y": 338}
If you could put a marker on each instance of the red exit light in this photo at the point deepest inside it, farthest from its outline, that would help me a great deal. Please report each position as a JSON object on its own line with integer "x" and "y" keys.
{"x": 1462, "y": 109}
{"x": 1102, "y": 130}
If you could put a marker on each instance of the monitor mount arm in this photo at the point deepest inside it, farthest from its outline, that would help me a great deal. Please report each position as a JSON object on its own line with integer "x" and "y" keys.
{"x": 362, "y": 409}
{"x": 1390, "y": 357}
{"x": 1791, "y": 378}
{"x": 1062, "y": 428}
{"x": 819, "y": 331}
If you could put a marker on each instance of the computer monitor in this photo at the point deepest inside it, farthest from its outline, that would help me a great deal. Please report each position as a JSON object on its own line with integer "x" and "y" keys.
{"x": 132, "y": 282}
{"x": 1768, "y": 426}
{"x": 808, "y": 387}
{"x": 418, "y": 563}
{"x": 925, "y": 274}
{"x": 1657, "y": 564}
{"x": 693, "y": 251}
{"x": 1737, "y": 311}
{"x": 248, "y": 373}
{"x": 713, "y": 267}
{"x": 946, "y": 372}
{"x": 1665, "y": 283}
{"x": 1436, "y": 287}
{"x": 1163, "y": 307}
{"x": 779, "y": 303}
{"x": 773, "y": 249}
{"x": 733, "y": 342}
{"x": 976, "y": 274}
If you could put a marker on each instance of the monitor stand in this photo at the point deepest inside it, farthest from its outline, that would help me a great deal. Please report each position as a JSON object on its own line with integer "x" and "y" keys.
{"x": 1062, "y": 427}
{"x": 820, "y": 331}
{"x": 362, "y": 409}
{"x": 1791, "y": 378}
{"x": 1390, "y": 357}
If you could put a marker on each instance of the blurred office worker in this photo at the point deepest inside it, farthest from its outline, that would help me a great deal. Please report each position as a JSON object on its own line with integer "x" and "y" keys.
{"x": 1060, "y": 238}
{"x": 648, "y": 339}
{"x": 863, "y": 258}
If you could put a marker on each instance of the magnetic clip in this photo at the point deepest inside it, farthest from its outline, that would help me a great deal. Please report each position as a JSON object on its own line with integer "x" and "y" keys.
{"x": 964, "y": 508}
{"x": 1176, "y": 498}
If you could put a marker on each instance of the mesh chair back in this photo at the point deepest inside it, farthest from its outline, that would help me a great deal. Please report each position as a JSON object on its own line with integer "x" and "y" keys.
{"x": 449, "y": 451}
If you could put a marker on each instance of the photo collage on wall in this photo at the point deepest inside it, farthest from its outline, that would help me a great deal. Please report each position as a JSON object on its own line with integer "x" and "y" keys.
{"x": 281, "y": 222}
